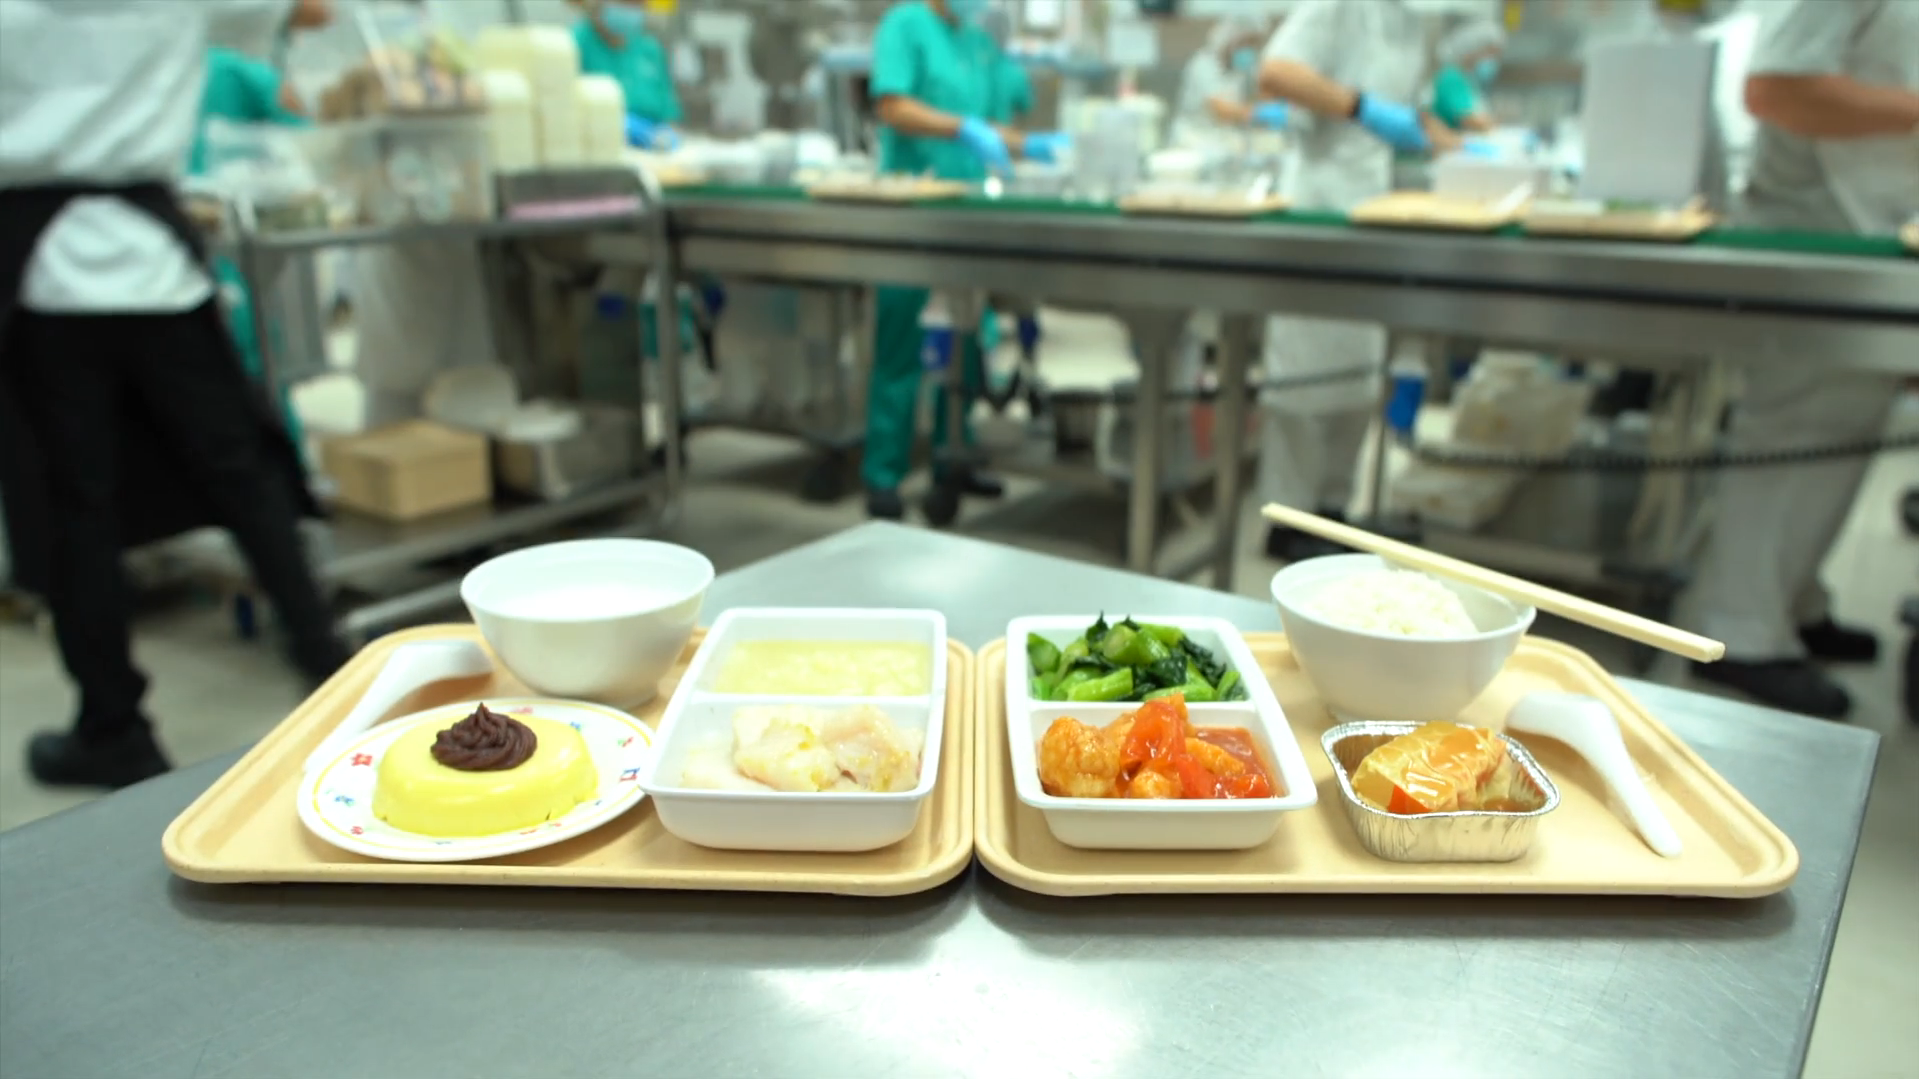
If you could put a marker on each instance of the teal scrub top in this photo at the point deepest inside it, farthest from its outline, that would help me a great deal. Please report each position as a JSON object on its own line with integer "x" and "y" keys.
{"x": 1455, "y": 97}
{"x": 946, "y": 66}
{"x": 640, "y": 68}
{"x": 241, "y": 89}
{"x": 1012, "y": 91}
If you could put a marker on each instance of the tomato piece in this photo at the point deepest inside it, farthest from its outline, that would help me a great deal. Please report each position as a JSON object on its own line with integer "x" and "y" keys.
{"x": 1246, "y": 785}
{"x": 1194, "y": 780}
{"x": 1155, "y": 736}
{"x": 1404, "y": 803}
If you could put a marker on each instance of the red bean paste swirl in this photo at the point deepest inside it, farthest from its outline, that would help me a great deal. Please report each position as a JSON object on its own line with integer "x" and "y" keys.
{"x": 485, "y": 742}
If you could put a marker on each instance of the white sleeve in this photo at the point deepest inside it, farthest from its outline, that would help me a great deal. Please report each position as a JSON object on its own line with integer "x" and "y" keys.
{"x": 1807, "y": 37}
{"x": 1310, "y": 35}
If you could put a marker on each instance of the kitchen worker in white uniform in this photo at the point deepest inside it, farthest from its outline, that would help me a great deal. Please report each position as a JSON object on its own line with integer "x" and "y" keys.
{"x": 124, "y": 411}
{"x": 1834, "y": 85}
{"x": 1352, "y": 72}
{"x": 1213, "y": 88}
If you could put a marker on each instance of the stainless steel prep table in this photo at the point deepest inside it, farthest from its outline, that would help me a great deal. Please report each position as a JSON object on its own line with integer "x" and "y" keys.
{"x": 1652, "y": 303}
{"x": 109, "y": 966}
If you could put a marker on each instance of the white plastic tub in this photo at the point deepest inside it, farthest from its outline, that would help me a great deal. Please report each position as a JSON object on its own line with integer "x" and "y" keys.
{"x": 1123, "y": 824}
{"x": 778, "y": 820}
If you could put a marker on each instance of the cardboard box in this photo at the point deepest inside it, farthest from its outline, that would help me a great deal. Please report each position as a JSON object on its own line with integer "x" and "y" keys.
{"x": 408, "y": 470}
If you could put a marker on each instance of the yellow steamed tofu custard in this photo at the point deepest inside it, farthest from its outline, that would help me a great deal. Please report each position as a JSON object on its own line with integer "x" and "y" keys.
{"x": 487, "y": 774}
{"x": 827, "y": 669}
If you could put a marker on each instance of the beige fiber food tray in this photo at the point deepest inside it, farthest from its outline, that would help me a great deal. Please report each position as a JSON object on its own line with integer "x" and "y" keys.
{"x": 860, "y": 191}
{"x": 1425, "y": 210}
{"x": 1670, "y": 226}
{"x": 1584, "y": 847}
{"x": 1909, "y": 235}
{"x": 1201, "y": 205}
{"x": 245, "y": 829}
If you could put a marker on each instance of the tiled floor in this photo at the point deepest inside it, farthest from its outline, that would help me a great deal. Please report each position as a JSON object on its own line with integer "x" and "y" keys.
{"x": 214, "y": 693}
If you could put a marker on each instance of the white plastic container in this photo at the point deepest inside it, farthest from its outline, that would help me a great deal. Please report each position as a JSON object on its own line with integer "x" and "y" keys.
{"x": 779, "y": 820}
{"x": 511, "y": 131}
{"x": 1128, "y": 824}
{"x": 601, "y": 106}
{"x": 1383, "y": 676}
{"x": 562, "y": 143}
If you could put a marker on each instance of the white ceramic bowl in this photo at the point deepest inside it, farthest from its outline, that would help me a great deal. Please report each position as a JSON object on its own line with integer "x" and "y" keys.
{"x": 1383, "y": 676}
{"x": 1128, "y": 824}
{"x": 598, "y": 620}
{"x": 783, "y": 820}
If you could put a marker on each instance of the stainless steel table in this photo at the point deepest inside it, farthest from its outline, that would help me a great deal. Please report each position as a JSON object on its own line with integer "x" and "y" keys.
{"x": 1656, "y": 305}
{"x": 109, "y": 966}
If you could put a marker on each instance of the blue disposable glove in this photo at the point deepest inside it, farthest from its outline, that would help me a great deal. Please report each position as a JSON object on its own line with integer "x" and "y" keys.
{"x": 1394, "y": 124}
{"x": 1047, "y": 147}
{"x": 1479, "y": 148}
{"x": 987, "y": 145}
{"x": 1273, "y": 114}
{"x": 647, "y": 135}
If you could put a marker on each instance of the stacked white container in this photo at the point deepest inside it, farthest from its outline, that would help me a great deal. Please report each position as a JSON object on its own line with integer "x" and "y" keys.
{"x": 549, "y": 60}
{"x": 602, "y": 110}
{"x": 511, "y": 131}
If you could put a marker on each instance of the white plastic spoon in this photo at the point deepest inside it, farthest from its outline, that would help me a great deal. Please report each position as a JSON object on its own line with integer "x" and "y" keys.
{"x": 1588, "y": 727}
{"x": 410, "y": 668}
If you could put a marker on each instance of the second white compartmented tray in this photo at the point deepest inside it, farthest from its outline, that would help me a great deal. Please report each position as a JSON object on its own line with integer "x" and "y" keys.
{"x": 1129, "y": 824}
{"x": 780, "y": 820}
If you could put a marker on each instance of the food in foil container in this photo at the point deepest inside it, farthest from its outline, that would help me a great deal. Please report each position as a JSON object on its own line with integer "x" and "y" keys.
{"x": 1444, "y": 768}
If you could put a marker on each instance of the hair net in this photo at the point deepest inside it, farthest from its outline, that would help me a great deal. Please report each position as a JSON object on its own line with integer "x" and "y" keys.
{"x": 1472, "y": 37}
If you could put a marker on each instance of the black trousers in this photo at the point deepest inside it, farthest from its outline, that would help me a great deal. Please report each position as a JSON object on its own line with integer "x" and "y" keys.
{"x": 77, "y": 378}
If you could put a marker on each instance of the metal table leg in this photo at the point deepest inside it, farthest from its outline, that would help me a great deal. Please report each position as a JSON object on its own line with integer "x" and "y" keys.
{"x": 666, "y": 320}
{"x": 1155, "y": 334}
{"x": 1235, "y": 345}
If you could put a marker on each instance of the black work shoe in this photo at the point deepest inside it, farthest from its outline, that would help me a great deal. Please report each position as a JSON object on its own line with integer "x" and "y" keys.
{"x": 1794, "y": 685}
{"x": 1828, "y": 640}
{"x": 64, "y": 760}
{"x": 882, "y": 505}
{"x": 977, "y": 484}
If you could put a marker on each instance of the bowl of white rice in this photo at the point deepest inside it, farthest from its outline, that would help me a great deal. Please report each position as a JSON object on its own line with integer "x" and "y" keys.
{"x": 1385, "y": 643}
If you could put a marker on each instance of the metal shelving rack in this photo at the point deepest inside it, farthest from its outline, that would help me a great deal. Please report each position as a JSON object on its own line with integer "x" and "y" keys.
{"x": 357, "y": 547}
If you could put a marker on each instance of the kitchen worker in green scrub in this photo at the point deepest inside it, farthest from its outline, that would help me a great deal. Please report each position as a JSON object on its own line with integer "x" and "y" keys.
{"x": 933, "y": 84}
{"x": 613, "y": 41}
{"x": 1012, "y": 89}
{"x": 1469, "y": 58}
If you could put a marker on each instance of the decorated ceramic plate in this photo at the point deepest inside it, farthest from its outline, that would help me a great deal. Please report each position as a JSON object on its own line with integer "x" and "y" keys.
{"x": 336, "y": 799}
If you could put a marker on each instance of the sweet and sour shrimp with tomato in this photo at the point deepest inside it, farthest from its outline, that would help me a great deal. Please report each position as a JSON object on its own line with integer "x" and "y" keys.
{"x": 1154, "y": 752}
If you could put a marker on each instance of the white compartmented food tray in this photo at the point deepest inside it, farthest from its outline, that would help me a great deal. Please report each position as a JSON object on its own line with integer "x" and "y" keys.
{"x": 1123, "y": 824}
{"x": 786, "y": 821}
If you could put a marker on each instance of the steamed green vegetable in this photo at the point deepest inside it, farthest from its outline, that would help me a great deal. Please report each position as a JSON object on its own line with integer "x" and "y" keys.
{"x": 1129, "y": 661}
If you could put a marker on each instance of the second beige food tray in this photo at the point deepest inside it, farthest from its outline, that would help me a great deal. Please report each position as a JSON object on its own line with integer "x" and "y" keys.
{"x": 245, "y": 828}
{"x": 1584, "y": 847}
{"x": 1425, "y": 210}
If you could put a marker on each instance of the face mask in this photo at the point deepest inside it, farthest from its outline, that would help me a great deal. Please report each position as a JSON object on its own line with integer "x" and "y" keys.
{"x": 1486, "y": 70}
{"x": 971, "y": 11}
{"x": 623, "y": 19}
{"x": 1245, "y": 60}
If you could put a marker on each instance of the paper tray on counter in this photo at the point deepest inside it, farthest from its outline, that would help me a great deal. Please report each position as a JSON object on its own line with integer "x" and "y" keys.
{"x": 1584, "y": 847}
{"x": 1223, "y": 205}
{"x": 245, "y": 829}
{"x": 1656, "y": 226}
{"x": 1425, "y": 210}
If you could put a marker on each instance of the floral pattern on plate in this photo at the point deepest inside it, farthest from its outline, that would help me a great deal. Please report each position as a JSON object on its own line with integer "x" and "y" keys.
{"x": 336, "y": 799}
